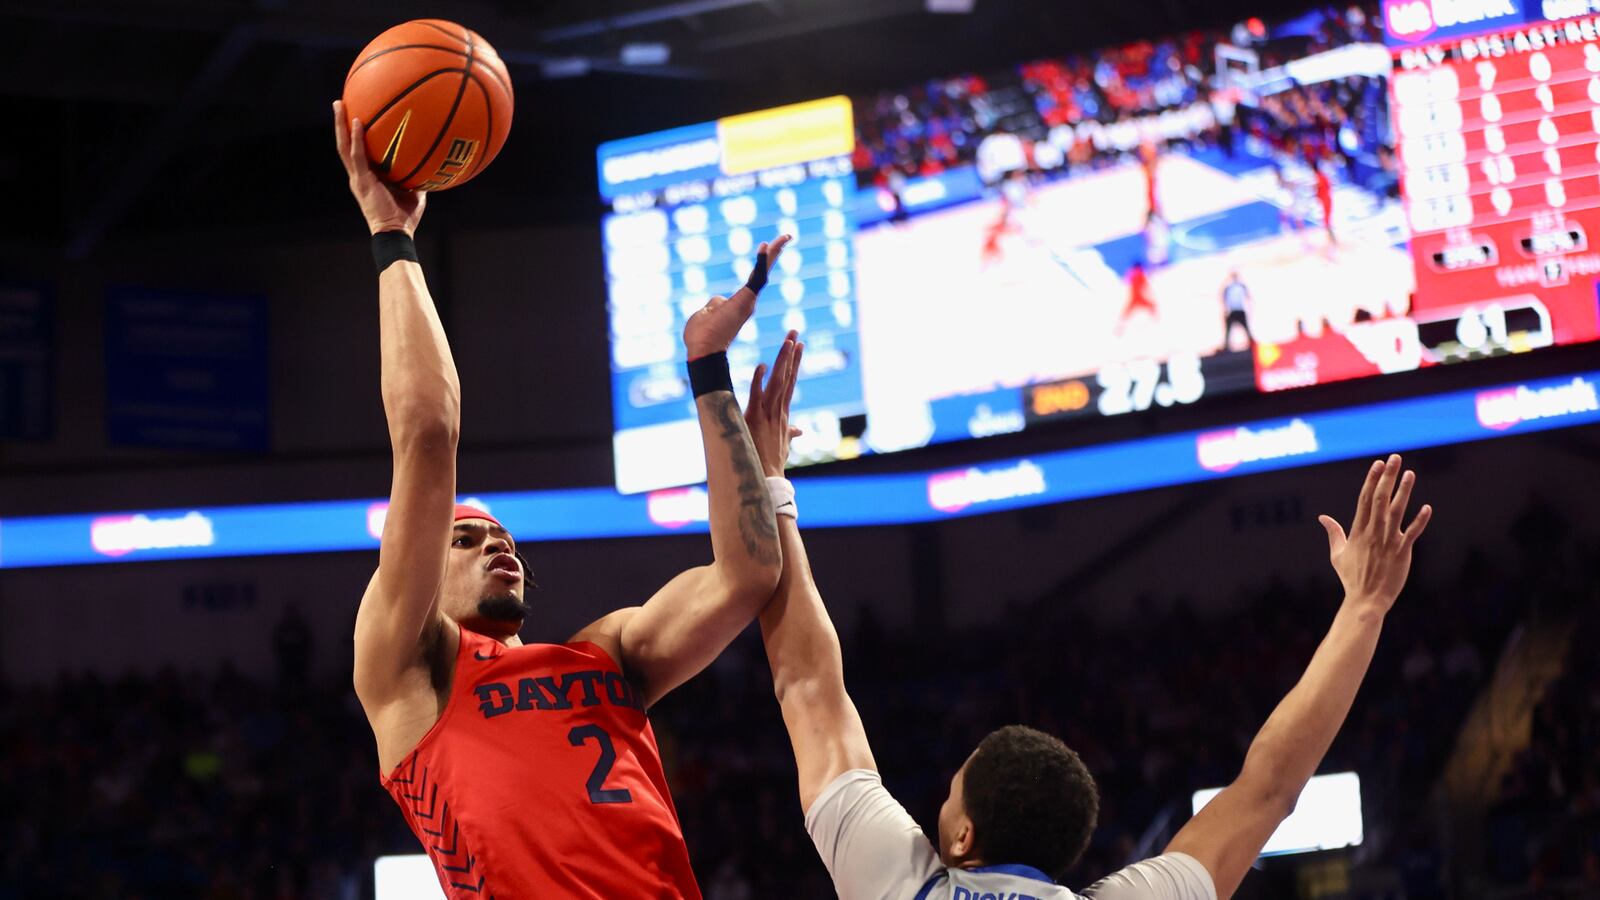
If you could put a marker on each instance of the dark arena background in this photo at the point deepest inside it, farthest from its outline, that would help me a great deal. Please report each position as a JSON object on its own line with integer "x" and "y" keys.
{"x": 1104, "y": 303}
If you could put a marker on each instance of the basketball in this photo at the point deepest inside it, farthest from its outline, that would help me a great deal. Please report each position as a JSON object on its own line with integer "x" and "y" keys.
{"x": 436, "y": 101}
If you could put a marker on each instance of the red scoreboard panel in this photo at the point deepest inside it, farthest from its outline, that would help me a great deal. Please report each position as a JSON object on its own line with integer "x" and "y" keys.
{"x": 1499, "y": 143}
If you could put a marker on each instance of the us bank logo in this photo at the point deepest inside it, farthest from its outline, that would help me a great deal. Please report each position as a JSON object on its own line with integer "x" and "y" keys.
{"x": 120, "y": 535}
{"x": 1503, "y": 408}
{"x": 950, "y": 492}
{"x": 1220, "y": 451}
{"x": 1411, "y": 21}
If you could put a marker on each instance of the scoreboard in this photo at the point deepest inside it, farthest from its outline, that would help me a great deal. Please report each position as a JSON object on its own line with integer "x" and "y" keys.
{"x": 688, "y": 208}
{"x": 1328, "y": 207}
{"x": 1498, "y": 136}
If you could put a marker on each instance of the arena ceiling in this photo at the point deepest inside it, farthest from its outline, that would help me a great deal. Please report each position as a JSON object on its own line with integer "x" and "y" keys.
{"x": 127, "y": 116}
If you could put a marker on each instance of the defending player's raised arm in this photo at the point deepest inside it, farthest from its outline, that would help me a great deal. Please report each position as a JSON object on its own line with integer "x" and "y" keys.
{"x": 802, "y": 644}
{"x": 1372, "y": 562}
{"x": 422, "y": 402}
{"x": 681, "y": 629}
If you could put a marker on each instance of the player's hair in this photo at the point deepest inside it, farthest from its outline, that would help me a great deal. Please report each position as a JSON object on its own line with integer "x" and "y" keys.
{"x": 1031, "y": 800}
{"x": 528, "y": 583}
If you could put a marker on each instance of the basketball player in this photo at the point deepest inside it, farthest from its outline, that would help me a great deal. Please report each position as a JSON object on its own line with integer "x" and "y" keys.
{"x": 1138, "y": 296}
{"x": 1013, "y": 197}
{"x": 1150, "y": 165}
{"x": 531, "y": 770}
{"x": 1325, "y": 201}
{"x": 1022, "y": 807}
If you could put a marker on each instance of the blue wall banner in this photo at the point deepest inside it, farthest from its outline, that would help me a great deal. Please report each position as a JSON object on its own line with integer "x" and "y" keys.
{"x": 27, "y": 362}
{"x": 186, "y": 371}
{"x": 844, "y": 500}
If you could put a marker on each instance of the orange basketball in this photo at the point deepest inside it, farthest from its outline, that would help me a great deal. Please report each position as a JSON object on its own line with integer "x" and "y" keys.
{"x": 436, "y": 101}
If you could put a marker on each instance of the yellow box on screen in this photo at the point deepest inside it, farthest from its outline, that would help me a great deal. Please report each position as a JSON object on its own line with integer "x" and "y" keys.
{"x": 785, "y": 135}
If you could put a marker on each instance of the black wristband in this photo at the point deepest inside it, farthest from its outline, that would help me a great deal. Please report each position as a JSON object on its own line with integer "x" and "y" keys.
{"x": 758, "y": 274}
{"x": 710, "y": 373}
{"x": 389, "y": 247}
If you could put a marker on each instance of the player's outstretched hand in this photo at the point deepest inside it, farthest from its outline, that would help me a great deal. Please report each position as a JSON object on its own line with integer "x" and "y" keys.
{"x": 386, "y": 208}
{"x": 713, "y": 328}
{"x": 767, "y": 413}
{"x": 1375, "y": 558}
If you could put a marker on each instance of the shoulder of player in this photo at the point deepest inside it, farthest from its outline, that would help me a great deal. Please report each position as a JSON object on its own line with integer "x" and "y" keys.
{"x": 390, "y": 665}
{"x": 605, "y": 633}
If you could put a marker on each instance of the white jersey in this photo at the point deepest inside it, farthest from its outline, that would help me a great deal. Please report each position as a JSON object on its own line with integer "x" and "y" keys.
{"x": 875, "y": 851}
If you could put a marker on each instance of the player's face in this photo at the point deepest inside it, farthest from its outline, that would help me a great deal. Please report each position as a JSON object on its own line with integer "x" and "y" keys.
{"x": 484, "y": 579}
{"x": 955, "y": 829}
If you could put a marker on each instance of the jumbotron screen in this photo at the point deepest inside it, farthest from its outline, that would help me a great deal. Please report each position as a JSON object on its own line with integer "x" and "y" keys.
{"x": 1262, "y": 208}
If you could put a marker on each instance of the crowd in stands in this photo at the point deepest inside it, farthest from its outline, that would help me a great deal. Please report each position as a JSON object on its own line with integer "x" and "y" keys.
{"x": 213, "y": 785}
{"x": 922, "y": 131}
{"x": 1544, "y": 825}
{"x": 938, "y": 125}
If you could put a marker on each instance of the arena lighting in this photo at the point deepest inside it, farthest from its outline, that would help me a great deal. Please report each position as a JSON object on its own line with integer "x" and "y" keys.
{"x": 564, "y": 67}
{"x": 950, "y": 6}
{"x": 652, "y": 54}
{"x": 408, "y": 876}
{"x": 1326, "y": 817}
{"x": 840, "y": 501}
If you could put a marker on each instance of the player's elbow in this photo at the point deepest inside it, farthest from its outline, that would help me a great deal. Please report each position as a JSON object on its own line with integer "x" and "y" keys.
{"x": 812, "y": 691}
{"x": 425, "y": 427}
{"x": 752, "y": 581}
{"x": 1269, "y": 787}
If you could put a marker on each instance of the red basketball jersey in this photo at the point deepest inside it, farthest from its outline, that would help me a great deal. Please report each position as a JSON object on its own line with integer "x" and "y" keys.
{"x": 542, "y": 779}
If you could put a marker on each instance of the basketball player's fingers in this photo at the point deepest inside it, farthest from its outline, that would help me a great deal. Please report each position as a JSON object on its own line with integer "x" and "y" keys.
{"x": 1417, "y": 527}
{"x": 1364, "y": 502}
{"x": 1397, "y": 506}
{"x": 780, "y": 374}
{"x": 795, "y": 431}
{"x": 1336, "y": 537}
{"x": 755, "y": 388}
{"x": 1384, "y": 495}
{"x": 794, "y": 373}
{"x": 778, "y": 243}
{"x": 791, "y": 371}
{"x": 356, "y": 154}
{"x": 341, "y": 130}
{"x": 785, "y": 360}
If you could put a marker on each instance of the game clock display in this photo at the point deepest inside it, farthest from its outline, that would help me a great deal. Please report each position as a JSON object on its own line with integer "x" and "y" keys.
{"x": 1264, "y": 208}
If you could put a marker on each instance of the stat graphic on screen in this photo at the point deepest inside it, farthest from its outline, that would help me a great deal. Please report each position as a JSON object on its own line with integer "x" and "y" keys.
{"x": 1257, "y": 209}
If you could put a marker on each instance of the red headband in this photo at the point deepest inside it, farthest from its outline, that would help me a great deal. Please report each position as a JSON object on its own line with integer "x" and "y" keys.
{"x": 472, "y": 512}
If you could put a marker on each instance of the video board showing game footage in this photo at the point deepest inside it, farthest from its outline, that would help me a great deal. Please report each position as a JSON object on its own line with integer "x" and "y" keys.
{"x": 1353, "y": 192}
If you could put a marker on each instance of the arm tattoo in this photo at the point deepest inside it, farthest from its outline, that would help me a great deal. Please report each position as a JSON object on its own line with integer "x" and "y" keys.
{"x": 757, "y": 527}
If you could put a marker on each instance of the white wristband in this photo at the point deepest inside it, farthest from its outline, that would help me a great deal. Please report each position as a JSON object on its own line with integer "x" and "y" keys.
{"x": 781, "y": 491}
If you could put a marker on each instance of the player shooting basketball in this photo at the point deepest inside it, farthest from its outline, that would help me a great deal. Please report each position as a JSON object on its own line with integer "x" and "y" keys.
{"x": 532, "y": 770}
{"x": 1022, "y": 807}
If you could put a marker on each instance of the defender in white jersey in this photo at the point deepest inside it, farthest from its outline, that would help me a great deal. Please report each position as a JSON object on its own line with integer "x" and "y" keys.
{"x": 1022, "y": 807}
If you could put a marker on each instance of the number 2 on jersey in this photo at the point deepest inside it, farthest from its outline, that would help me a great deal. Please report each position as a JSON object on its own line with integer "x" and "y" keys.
{"x": 598, "y": 793}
